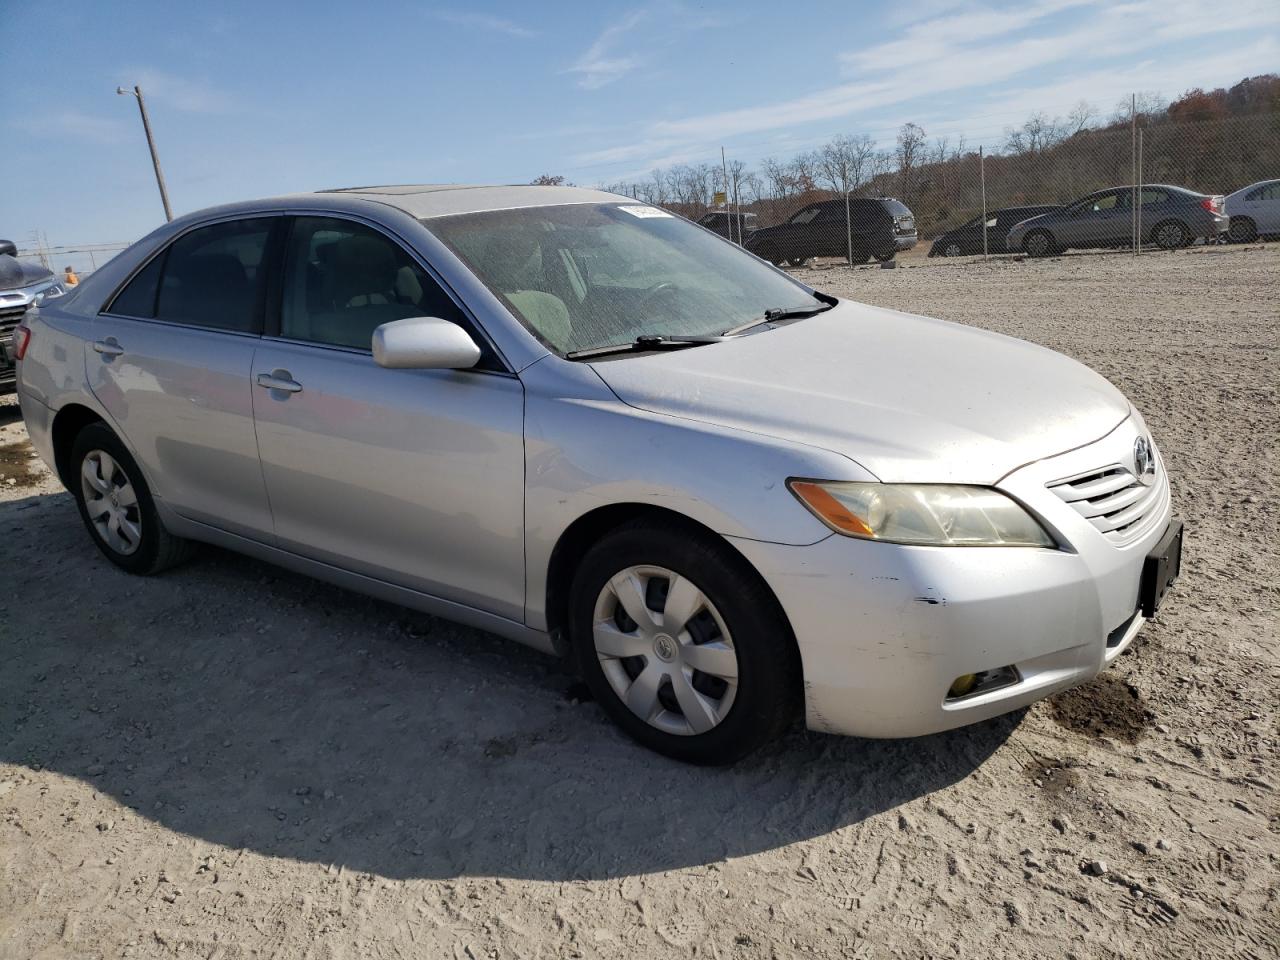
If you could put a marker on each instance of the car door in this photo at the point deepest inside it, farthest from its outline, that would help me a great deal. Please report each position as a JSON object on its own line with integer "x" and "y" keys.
{"x": 413, "y": 477}
{"x": 1099, "y": 220}
{"x": 169, "y": 362}
{"x": 1263, "y": 205}
{"x": 795, "y": 237}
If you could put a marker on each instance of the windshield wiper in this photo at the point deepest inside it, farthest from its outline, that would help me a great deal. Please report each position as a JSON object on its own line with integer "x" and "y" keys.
{"x": 645, "y": 342}
{"x": 776, "y": 314}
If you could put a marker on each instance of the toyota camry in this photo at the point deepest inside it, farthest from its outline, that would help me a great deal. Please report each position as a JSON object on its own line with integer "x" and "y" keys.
{"x": 589, "y": 425}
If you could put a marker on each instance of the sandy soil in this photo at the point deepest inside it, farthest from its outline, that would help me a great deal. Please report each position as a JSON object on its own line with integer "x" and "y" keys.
{"x": 230, "y": 761}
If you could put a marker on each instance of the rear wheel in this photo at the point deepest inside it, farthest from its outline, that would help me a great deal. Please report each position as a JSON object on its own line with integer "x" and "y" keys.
{"x": 1039, "y": 243}
{"x": 116, "y": 505}
{"x": 682, "y": 644}
{"x": 952, "y": 249}
{"x": 1242, "y": 230}
{"x": 1171, "y": 235}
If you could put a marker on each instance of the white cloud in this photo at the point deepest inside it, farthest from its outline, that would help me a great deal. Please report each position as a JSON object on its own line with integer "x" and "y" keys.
{"x": 979, "y": 48}
{"x": 189, "y": 96}
{"x": 599, "y": 65}
{"x": 484, "y": 21}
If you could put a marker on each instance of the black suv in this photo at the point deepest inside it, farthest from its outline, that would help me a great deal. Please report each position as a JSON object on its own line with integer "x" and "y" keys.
{"x": 878, "y": 227}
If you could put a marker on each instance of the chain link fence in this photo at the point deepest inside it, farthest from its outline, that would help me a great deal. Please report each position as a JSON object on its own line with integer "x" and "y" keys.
{"x": 1091, "y": 184}
{"x": 82, "y": 258}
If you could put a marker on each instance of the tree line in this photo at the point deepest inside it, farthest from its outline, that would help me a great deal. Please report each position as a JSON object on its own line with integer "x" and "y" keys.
{"x": 1214, "y": 141}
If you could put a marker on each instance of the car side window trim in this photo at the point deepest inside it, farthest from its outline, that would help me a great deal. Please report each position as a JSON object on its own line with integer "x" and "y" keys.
{"x": 162, "y": 254}
{"x": 275, "y": 290}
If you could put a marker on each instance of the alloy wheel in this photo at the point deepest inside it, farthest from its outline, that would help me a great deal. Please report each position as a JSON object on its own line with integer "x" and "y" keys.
{"x": 952, "y": 250}
{"x": 1171, "y": 236}
{"x": 111, "y": 502}
{"x": 665, "y": 650}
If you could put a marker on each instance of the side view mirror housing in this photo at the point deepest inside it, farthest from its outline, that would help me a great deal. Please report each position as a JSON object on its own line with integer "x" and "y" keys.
{"x": 424, "y": 343}
{"x": 9, "y": 247}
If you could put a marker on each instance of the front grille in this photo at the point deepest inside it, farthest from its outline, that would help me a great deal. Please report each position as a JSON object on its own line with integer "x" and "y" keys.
{"x": 1112, "y": 499}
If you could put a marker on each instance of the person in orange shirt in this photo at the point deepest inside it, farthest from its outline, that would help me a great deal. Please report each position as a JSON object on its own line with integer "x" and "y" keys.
{"x": 69, "y": 277}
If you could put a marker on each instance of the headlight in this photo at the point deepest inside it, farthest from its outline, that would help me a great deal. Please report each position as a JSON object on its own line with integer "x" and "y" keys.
{"x": 940, "y": 515}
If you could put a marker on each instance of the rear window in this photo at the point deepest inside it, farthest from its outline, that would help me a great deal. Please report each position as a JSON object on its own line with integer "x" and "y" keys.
{"x": 896, "y": 208}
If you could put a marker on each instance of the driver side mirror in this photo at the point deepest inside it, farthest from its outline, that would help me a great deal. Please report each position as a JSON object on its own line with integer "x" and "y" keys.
{"x": 424, "y": 343}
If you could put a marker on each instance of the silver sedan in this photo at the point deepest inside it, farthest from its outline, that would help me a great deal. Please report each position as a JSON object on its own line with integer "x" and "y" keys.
{"x": 591, "y": 426}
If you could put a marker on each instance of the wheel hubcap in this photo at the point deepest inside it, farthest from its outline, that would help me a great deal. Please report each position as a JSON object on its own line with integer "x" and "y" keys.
{"x": 111, "y": 502}
{"x": 953, "y": 250}
{"x": 665, "y": 650}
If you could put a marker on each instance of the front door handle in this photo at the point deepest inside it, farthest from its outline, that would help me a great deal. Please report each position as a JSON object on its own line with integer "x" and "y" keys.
{"x": 279, "y": 380}
{"x": 108, "y": 348}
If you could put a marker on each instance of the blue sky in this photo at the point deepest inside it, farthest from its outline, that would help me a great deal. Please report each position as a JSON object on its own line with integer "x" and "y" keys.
{"x": 254, "y": 99}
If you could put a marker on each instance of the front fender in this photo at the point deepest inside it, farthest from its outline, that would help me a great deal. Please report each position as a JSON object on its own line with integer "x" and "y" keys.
{"x": 585, "y": 449}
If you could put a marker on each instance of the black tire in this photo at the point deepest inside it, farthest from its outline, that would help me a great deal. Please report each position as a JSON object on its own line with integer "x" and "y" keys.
{"x": 799, "y": 261}
{"x": 1242, "y": 230}
{"x": 886, "y": 256}
{"x": 1171, "y": 235}
{"x": 157, "y": 549}
{"x": 1039, "y": 243}
{"x": 952, "y": 249}
{"x": 767, "y": 693}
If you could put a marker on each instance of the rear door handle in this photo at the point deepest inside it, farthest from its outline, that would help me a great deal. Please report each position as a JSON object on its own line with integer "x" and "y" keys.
{"x": 279, "y": 380}
{"x": 108, "y": 348}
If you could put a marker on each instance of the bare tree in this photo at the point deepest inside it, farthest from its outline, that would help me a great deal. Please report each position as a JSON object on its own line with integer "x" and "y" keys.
{"x": 909, "y": 155}
{"x": 547, "y": 180}
{"x": 1082, "y": 116}
{"x": 843, "y": 162}
{"x": 804, "y": 167}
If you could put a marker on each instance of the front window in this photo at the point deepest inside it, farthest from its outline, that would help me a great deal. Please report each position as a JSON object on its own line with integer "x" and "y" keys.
{"x": 582, "y": 276}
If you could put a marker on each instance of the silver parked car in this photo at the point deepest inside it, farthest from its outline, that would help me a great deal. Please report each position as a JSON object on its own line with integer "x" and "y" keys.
{"x": 1254, "y": 211}
{"x": 1170, "y": 217}
{"x": 594, "y": 427}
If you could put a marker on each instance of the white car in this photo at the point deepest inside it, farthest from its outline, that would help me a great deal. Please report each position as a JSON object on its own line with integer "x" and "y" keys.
{"x": 1254, "y": 211}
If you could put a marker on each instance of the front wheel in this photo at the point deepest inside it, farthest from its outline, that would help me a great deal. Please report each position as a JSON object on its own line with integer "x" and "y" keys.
{"x": 952, "y": 249}
{"x": 682, "y": 643}
{"x": 1039, "y": 243}
{"x": 116, "y": 505}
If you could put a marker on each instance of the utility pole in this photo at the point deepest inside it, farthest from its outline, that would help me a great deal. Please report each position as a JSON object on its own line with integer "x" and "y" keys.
{"x": 136, "y": 92}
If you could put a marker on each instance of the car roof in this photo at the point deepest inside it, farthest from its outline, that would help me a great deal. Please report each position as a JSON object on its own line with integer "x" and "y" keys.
{"x": 426, "y": 200}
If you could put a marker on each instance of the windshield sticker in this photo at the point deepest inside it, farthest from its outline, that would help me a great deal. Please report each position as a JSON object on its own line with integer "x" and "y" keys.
{"x": 645, "y": 211}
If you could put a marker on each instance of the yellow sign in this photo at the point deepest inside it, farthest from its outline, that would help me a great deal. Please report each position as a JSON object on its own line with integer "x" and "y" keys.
{"x": 719, "y": 199}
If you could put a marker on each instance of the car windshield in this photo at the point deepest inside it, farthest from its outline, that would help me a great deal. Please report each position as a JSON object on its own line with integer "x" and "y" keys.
{"x": 582, "y": 276}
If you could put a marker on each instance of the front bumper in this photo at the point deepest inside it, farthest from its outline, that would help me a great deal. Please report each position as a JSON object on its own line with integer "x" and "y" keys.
{"x": 885, "y": 629}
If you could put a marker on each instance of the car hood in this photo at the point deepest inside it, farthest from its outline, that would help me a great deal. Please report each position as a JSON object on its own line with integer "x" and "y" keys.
{"x": 908, "y": 398}
{"x": 1022, "y": 224}
{"x": 14, "y": 274}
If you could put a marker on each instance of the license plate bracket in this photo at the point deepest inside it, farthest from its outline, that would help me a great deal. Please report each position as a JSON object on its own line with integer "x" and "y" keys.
{"x": 1160, "y": 570}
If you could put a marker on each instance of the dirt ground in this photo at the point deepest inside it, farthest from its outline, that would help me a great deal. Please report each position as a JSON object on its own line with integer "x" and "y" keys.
{"x": 231, "y": 761}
